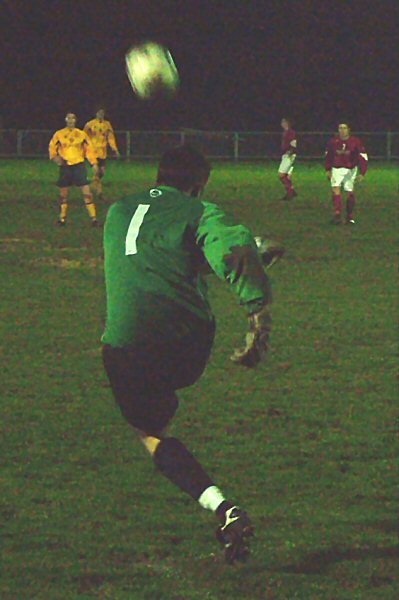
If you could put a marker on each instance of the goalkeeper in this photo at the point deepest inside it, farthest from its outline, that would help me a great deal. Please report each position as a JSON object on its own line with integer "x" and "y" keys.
{"x": 159, "y": 326}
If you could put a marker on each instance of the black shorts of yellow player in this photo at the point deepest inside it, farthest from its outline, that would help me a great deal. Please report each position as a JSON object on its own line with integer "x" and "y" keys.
{"x": 72, "y": 175}
{"x": 144, "y": 377}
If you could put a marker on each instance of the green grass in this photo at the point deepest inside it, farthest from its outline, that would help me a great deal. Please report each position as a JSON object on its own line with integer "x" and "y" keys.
{"x": 306, "y": 442}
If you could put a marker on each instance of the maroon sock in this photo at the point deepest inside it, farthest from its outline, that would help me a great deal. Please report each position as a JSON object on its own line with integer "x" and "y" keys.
{"x": 350, "y": 205}
{"x": 287, "y": 184}
{"x": 221, "y": 509}
{"x": 337, "y": 202}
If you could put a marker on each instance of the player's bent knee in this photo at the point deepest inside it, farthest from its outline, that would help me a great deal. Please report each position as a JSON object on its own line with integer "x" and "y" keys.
{"x": 150, "y": 415}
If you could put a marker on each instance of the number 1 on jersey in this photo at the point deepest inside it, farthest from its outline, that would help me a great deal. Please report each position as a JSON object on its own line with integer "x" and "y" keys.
{"x": 134, "y": 228}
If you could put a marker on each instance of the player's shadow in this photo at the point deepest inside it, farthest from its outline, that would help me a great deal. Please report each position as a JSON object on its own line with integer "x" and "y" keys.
{"x": 318, "y": 562}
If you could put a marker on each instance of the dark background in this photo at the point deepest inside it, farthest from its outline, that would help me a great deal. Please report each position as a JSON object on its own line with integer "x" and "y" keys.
{"x": 242, "y": 64}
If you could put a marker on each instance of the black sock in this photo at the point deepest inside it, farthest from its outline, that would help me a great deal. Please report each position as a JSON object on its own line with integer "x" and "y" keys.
{"x": 221, "y": 509}
{"x": 181, "y": 468}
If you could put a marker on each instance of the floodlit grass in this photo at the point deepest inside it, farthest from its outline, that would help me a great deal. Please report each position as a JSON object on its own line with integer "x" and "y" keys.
{"x": 305, "y": 442}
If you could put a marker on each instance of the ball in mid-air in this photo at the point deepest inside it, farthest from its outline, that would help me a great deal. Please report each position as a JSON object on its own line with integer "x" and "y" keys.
{"x": 151, "y": 70}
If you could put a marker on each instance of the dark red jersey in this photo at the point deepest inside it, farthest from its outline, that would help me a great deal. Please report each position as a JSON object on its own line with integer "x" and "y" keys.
{"x": 288, "y": 142}
{"x": 348, "y": 154}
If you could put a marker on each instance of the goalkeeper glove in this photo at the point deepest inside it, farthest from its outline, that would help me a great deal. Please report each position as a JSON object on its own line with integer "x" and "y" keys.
{"x": 256, "y": 340}
{"x": 268, "y": 251}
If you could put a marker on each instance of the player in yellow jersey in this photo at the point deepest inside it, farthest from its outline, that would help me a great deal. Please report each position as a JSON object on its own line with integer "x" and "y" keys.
{"x": 68, "y": 148}
{"x": 102, "y": 135}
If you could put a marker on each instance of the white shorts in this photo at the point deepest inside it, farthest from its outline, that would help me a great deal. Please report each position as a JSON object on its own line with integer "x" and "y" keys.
{"x": 346, "y": 177}
{"x": 287, "y": 164}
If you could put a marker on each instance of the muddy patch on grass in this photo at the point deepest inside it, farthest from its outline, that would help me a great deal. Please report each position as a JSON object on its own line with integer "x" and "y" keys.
{"x": 69, "y": 263}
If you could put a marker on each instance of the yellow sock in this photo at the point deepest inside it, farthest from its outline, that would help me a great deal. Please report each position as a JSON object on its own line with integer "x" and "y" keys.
{"x": 63, "y": 211}
{"x": 91, "y": 207}
{"x": 151, "y": 443}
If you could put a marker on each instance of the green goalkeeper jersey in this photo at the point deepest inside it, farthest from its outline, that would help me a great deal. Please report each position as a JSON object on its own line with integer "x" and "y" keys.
{"x": 156, "y": 246}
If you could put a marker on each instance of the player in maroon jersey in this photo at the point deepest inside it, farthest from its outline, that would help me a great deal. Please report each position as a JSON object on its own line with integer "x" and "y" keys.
{"x": 345, "y": 156}
{"x": 288, "y": 149}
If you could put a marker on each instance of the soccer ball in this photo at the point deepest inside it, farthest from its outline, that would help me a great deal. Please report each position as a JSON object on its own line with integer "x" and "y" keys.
{"x": 151, "y": 71}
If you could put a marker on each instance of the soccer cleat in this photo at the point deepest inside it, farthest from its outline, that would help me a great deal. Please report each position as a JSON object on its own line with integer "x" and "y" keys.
{"x": 61, "y": 222}
{"x": 94, "y": 223}
{"x": 234, "y": 535}
{"x": 350, "y": 221}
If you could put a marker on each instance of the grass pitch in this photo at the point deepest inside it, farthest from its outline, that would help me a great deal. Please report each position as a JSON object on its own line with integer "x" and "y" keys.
{"x": 306, "y": 442}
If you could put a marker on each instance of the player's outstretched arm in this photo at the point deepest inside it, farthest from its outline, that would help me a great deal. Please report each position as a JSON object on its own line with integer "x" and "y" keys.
{"x": 232, "y": 253}
{"x": 269, "y": 253}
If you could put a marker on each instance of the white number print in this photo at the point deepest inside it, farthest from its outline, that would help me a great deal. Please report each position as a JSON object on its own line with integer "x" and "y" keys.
{"x": 134, "y": 228}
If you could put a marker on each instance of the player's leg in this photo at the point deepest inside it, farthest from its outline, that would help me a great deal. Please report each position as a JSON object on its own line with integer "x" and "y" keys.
{"x": 65, "y": 180}
{"x": 349, "y": 186}
{"x": 148, "y": 403}
{"x": 291, "y": 191}
{"x": 337, "y": 177}
{"x": 80, "y": 180}
{"x": 89, "y": 203}
{"x": 143, "y": 386}
{"x": 176, "y": 463}
{"x": 350, "y": 206}
{"x": 63, "y": 202}
{"x": 96, "y": 183}
{"x": 284, "y": 172}
{"x": 282, "y": 178}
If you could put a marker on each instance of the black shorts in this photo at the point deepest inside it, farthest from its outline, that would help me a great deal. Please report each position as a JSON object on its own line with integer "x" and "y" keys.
{"x": 72, "y": 175}
{"x": 144, "y": 379}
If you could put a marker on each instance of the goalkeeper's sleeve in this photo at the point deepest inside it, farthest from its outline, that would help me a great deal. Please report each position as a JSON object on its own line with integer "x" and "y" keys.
{"x": 231, "y": 252}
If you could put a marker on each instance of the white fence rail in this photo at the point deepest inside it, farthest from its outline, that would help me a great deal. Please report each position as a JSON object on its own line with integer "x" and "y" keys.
{"x": 227, "y": 145}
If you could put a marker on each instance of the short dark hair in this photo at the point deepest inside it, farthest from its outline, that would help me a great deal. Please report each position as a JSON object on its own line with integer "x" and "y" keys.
{"x": 288, "y": 119}
{"x": 183, "y": 167}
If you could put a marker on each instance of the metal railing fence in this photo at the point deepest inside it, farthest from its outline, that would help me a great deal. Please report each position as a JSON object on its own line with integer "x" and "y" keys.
{"x": 224, "y": 145}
